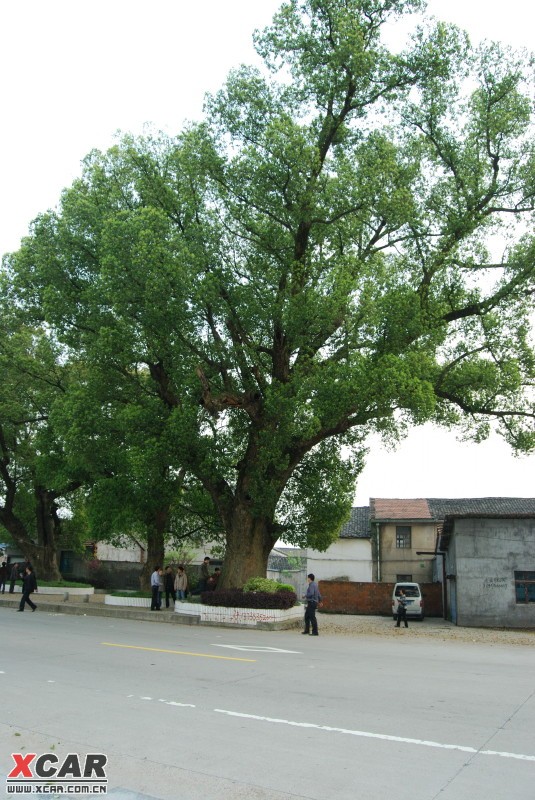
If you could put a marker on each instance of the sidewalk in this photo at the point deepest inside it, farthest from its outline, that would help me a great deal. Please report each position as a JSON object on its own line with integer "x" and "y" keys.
{"x": 93, "y": 605}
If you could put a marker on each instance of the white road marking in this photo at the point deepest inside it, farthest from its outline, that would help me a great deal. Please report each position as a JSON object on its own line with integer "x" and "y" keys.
{"x": 167, "y": 702}
{"x": 251, "y": 649}
{"x": 383, "y": 736}
{"x": 172, "y": 703}
{"x": 182, "y": 705}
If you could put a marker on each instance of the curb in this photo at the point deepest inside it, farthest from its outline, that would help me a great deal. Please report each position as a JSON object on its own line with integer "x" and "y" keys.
{"x": 88, "y": 610}
{"x": 140, "y": 615}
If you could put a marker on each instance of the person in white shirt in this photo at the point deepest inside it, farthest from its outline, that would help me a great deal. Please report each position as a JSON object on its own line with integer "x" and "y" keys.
{"x": 155, "y": 589}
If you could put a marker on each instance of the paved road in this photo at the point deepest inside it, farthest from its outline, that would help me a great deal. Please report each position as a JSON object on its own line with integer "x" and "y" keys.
{"x": 206, "y": 713}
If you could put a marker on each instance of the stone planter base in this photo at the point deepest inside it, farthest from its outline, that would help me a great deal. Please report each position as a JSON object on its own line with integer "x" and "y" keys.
{"x": 70, "y": 590}
{"x": 242, "y": 617}
{"x": 135, "y": 602}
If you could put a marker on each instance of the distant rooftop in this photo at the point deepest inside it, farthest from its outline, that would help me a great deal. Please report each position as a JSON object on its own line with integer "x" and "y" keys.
{"x": 437, "y": 508}
{"x": 387, "y": 508}
{"x": 358, "y": 524}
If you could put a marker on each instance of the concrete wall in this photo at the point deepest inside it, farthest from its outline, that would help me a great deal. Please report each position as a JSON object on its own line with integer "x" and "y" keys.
{"x": 487, "y": 553}
{"x": 346, "y": 597}
{"x": 399, "y": 561}
{"x": 129, "y": 551}
{"x": 350, "y": 558}
{"x": 113, "y": 575}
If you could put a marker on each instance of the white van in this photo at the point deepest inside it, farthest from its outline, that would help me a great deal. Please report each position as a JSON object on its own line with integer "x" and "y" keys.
{"x": 415, "y": 600}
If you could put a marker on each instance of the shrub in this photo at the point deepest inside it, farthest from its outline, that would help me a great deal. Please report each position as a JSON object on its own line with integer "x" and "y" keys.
{"x": 261, "y": 585}
{"x": 266, "y": 585}
{"x": 238, "y": 598}
{"x": 285, "y": 587}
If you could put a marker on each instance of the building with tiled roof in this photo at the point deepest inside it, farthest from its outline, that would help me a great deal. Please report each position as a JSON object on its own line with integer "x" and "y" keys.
{"x": 405, "y": 530}
{"x": 396, "y": 539}
{"x": 488, "y": 550}
{"x": 404, "y": 533}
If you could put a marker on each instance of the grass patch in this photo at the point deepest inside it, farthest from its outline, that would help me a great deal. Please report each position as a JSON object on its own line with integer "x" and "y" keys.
{"x": 146, "y": 595}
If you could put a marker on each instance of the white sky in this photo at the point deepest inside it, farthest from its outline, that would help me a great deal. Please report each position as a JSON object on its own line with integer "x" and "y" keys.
{"x": 74, "y": 72}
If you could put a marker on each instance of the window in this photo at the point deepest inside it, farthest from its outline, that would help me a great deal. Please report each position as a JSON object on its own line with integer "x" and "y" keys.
{"x": 525, "y": 586}
{"x": 403, "y": 536}
{"x": 401, "y": 578}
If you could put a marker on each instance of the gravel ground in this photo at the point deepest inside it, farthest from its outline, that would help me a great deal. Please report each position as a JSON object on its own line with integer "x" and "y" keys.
{"x": 350, "y": 625}
{"x": 355, "y": 625}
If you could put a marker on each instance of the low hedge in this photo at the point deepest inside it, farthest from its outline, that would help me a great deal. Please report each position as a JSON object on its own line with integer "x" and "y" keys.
{"x": 237, "y": 598}
{"x": 64, "y": 584}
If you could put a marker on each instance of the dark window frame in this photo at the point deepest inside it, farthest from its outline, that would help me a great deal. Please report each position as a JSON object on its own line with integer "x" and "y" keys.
{"x": 524, "y": 586}
{"x": 403, "y": 537}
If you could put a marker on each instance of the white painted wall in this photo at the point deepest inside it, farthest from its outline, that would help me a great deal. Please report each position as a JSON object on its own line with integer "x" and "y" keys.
{"x": 345, "y": 557}
{"x": 129, "y": 552}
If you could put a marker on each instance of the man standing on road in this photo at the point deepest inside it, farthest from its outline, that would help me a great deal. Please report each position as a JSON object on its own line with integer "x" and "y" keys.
{"x": 313, "y": 598}
{"x": 402, "y": 608}
{"x": 29, "y": 585}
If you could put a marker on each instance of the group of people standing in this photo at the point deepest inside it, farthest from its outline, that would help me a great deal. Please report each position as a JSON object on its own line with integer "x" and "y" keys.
{"x": 175, "y": 587}
{"x": 26, "y": 574}
{"x": 162, "y": 582}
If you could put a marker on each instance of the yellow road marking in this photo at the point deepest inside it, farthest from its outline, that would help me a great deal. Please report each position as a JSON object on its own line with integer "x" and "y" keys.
{"x": 177, "y": 652}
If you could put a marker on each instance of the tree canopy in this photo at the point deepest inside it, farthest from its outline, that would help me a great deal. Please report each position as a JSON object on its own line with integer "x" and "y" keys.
{"x": 314, "y": 261}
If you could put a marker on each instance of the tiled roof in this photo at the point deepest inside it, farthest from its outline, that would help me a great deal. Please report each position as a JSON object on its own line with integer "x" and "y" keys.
{"x": 358, "y": 524}
{"x": 387, "y": 508}
{"x": 481, "y": 506}
{"x": 437, "y": 509}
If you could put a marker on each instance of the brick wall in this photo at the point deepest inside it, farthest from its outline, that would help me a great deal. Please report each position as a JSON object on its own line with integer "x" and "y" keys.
{"x": 347, "y": 597}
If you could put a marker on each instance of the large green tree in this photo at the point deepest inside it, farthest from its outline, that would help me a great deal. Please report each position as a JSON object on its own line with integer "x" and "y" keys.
{"x": 114, "y": 434}
{"x": 314, "y": 262}
{"x": 34, "y": 487}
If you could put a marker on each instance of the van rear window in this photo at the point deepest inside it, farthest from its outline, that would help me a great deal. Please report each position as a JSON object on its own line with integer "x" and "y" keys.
{"x": 410, "y": 591}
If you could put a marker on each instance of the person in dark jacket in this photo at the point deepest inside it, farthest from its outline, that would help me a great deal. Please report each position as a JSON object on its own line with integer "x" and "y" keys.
{"x": 205, "y": 574}
{"x": 213, "y": 579}
{"x": 313, "y": 598}
{"x": 402, "y": 609}
{"x": 29, "y": 585}
{"x": 169, "y": 585}
{"x": 4, "y": 572}
{"x": 14, "y": 576}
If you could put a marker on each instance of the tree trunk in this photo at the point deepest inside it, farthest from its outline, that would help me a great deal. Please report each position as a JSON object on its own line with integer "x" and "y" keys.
{"x": 42, "y": 554}
{"x": 48, "y": 528}
{"x": 155, "y": 547}
{"x": 249, "y": 543}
